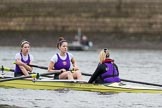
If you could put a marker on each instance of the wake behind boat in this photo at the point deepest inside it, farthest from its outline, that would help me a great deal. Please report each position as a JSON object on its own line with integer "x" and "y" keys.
{"x": 81, "y": 85}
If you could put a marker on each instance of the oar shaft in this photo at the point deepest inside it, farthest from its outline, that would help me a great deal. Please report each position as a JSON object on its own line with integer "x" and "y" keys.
{"x": 86, "y": 74}
{"x": 29, "y": 76}
{"x": 41, "y": 67}
{"x": 15, "y": 78}
{"x": 50, "y": 73}
{"x": 139, "y": 82}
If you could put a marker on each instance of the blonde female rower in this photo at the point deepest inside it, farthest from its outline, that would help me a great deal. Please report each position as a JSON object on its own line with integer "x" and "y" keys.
{"x": 22, "y": 59}
{"x": 107, "y": 70}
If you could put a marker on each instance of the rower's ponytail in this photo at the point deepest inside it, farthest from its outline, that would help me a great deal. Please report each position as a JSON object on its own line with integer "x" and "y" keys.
{"x": 60, "y": 41}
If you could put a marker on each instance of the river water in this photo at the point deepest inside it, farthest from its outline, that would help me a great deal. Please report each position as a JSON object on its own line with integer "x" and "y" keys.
{"x": 134, "y": 64}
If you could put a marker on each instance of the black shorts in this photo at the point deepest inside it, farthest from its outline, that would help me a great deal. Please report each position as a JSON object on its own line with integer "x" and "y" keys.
{"x": 16, "y": 74}
{"x": 56, "y": 76}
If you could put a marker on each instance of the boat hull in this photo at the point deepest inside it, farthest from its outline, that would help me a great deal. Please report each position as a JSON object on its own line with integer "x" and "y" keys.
{"x": 81, "y": 86}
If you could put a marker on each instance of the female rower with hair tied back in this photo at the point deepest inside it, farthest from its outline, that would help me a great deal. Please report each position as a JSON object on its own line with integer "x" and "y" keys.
{"x": 107, "y": 70}
{"x": 23, "y": 59}
{"x": 65, "y": 62}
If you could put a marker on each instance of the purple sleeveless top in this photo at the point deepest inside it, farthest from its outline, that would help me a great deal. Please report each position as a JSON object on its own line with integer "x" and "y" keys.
{"x": 62, "y": 64}
{"x": 17, "y": 69}
{"x": 111, "y": 74}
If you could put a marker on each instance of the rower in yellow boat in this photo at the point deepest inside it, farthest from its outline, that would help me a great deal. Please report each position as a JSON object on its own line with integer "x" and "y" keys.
{"x": 23, "y": 59}
{"x": 65, "y": 62}
{"x": 107, "y": 70}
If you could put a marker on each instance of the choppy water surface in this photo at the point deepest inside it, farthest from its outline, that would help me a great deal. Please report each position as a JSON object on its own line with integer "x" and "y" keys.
{"x": 140, "y": 65}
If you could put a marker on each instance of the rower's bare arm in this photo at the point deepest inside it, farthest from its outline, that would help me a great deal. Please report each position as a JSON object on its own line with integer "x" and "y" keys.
{"x": 22, "y": 64}
{"x": 51, "y": 67}
{"x": 29, "y": 68}
{"x": 74, "y": 64}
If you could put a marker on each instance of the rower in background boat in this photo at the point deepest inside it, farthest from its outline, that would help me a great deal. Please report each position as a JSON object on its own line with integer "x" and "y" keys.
{"x": 80, "y": 43}
{"x": 23, "y": 59}
{"x": 107, "y": 70}
{"x": 65, "y": 62}
{"x": 85, "y": 41}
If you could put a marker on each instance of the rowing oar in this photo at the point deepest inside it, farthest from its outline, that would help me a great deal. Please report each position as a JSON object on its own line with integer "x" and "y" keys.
{"x": 37, "y": 75}
{"x": 12, "y": 70}
{"x": 87, "y": 74}
{"x": 43, "y": 67}
{"x": 6, "y": 69}
{"x": 139, "y": 82}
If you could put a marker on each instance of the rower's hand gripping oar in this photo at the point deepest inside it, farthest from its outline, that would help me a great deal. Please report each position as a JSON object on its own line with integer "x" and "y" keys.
{"x": 37, "y": 76}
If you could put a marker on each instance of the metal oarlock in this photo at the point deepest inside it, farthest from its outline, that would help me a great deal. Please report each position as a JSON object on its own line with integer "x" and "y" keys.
{"x": 2, "y": 74}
